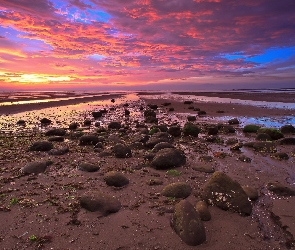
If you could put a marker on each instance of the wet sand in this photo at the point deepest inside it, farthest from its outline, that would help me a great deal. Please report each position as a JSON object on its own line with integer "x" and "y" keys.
{"x": 43, "y": 211}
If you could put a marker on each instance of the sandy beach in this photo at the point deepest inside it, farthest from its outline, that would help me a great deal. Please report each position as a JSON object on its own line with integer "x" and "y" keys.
{"x": 108, "y": 191}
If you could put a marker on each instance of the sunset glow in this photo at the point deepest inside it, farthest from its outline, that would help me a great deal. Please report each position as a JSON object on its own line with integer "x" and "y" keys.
{"x": 148, "y": 44}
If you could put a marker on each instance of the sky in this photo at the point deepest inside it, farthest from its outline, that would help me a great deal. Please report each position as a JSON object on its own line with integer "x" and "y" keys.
{"x": 146, "y": 44}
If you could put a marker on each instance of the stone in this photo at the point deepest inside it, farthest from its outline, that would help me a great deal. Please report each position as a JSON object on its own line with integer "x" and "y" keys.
{"x": 149, "y": 113}
{"x": 174, "y": 131}
{"x": 154, "y": 182}
{"x": 96, "y": 114}
{"x": 251, "y": 192}
{"x": 188, "y": 102}
{"x": 115, "y": 179}
{"x": 202, "y": 112}
{"x": 56, "y": 132}
{"x": 35, "y": 167}
{"x": 263, "y": 137}
{"x": 212, "y": 130}
{"x": 251, "y": 128}
{"x": 286, "y": 141}
{"x": 122, "y": 151}
{"x": 280, "y": 156}
{"x": 287, "y": 129}
{"x": 114, "y": 125}
{"x": 202, "y": 209}
{"x": 280, "y": 189}
{"x": 45, "y": 121}
{"x": 275, "y": 134}
{"x": 157, "y": 138}
{"x": 168, "y": 158}
{"x": 226, "y": 194}
{"x": 88, "y": 140}
{"x": 151, "y": 119}
{"x": 191, "y": 118}
{"x": 161, "y": 145}
{"x": 191, "y": 129}
{"x": 21, "y": 122}
{"x": 126, "y": 112}
{"x": 41, "y": 146}
{"x": 97, "y": 201}
{"x": 87, "y": 122}
{"x": 88, "y": 167}
{"x": 228, "y": 129}
{"x": 233, "y": 121}
{"x": 244, "y": 158}
{"x": 60, "y": 151}
{"x": 177, "y": 190}
{"x": 56, "y": 138}
{"x": 204, "y": 167}
{"x": 73, "y": 125}
{"x": 187, "y": 224}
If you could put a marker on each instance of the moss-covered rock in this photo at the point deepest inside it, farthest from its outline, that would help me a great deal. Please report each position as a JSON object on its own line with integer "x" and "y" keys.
{"x": 251, "y": 128}
{"x": 168, "y": 158}
{"x": 274, "y": 133}
{"x": 177, "y": 190}
{"x": 191, "y": 129}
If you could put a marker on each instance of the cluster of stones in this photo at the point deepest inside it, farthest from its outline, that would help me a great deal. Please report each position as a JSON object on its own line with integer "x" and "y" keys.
{"x": 187, "y": 220}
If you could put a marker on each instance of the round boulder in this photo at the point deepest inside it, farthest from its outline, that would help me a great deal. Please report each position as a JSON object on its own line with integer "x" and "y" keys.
{"x": 168, "y": 158}
{"x": 35, "y": 167}
{"x": 41, "y": 146}
{"x": 87, "y": 167}
{"x": 122, "y": 151}
{"x": 88, "y": 140}
{"x": 56, "y": 132}
{"x": 177, "y": 190}
{"x": 187, "y": 224}
{"x": 202, "y": 209}
{"x": 115, "y": 179}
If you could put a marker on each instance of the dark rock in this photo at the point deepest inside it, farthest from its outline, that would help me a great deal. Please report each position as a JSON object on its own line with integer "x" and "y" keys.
{"x": 236, "y": 146}
{"x": 213, "y": 130}
{"x": 151, "y": 119}
{"x": 275, "y": 134}
{"x": 60, "y": 151}
{"x": 45, "y": 121}
{"x": 197, "y": 109}
{"x": 228, "y": 129}
{"x": 174, "y": 131}
{"x": 280, "y": 156}
{"x": 126, "y": 112}
{"x": 168, "y": 158}
{"x": 206, "y": 158}
{"x": 177, "y": 190}
{"x": 98, "y": 145}
{"x": 202, "y": 112}
{"x": 188, "y": 102}
{"x": 122, "y": 151}
{"x": 187, "y": 224}
{"x": 264, "y": 147}
{"x": 157, "y": 138}
{"x": 112, "y": 100}
{"x": 153, "y": 106}
{"x": 87, "y": 167}
{"x": 233, "y": 121}
{"x": 149, "y": 156}
{"x": 41, "y": 146}
{"x": 96, "y": 114}
{"x": 202, "y": 209}
{"x": 21, "y": 122}
{"x": 35, "y": 167}
{"x": 154, "y": 182}
{"x": 220, "y": 111}
{"x": 73, "y": 125}
{"x": 251, "y": 128}
{"x": 263, "y": 137}
{"x": 87, "y": 122}
{"x": 287, "y": 141}
{"x": 231, "y": 141}
{"x": 76, "y": 134}
{"x": 204, "y": 167}
{"x": 191, "y": 118}
{"x": 56, "y": 138}
{"x": 162, "y": 145}
{"x": 115, "y": 179}
{"x": 149, "y": 112}
{"x": 251, "y": 192}
{"x": 171, "y": 109}
{"x": 97, "y": 124}
{"x": 166, "y": 104}
{"x": 56, "y": 132}
{"x": 190, "y": 107}
{"x": 114, "y": 125}
{"x": 226, "y": 194}
{"x": 281, "y": 189}
{"x": 98, "y": 201}
{"x": 162, "y": 127}
{"x": 244, "y": 158}
{"x": 88, "y": 140}
{"x": 191, "y": 129}
{"x": 287, "y": 129}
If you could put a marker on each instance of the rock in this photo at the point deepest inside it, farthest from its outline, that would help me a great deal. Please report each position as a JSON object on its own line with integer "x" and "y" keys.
{"x": 112, "y": 100}
{"x": 197, "y": 109}
{"x": 73, "y": 125}
{"x": 162, "y": 127}
{"x": 233, "y": 121}
{"x": 126, "y": 112}
{"x": 202, "y": 209}
{"x": 187, "y": 224}
{"x": 244, "y": 158}
{"x": 157, "y": 138}
{"x": 96, "y": 114}
{"x": 275, "y": 134}
{"x": 60, "y": 151}
{"x": 280, "y": 156}
{"x": 166, "y": 104}
{"x": 286, "y": 141}
{"x": 97, "y": 124}
{"x": 265, "y": 147}
{"x": 45, "y": 121}
{"x": 115, "y": 179}
{"x": 231, "y": 141}
{"x": 177, "y": 190}
{"x": 204, "y": 167}
{"x": 191, "y": 129}
{"x": 151, "y": 119}
{"x": 228, "y": 129}
{"x": 56, "y": 138}
{"x": 122, "y": 151}
{"x": 287, "y": 129}
{"x": 35, "y": 167}
{"x": 174, "y": 131}
{"x": 168, "y": 158}
{"x": 98, "y": 201}
{"x": 281, "y": 189}
{"x": 21, "y": 122}
{"x": 251, "y": 128}
{"x": 171, "y": 109}
{"x": 236, "y": 147}
{"x": 188, "y": 102}
{"x": 191, "y": 118}
{"x": 226, "y": 194}
{"x": 154, "y": 182}
{"x": 88, "y": 140}
{"x": 206, "y": 158}
{"x": 87, "y": 167}
{"x": 56, "y": 132}
{"x": 263, "y": 137}
{"x": 212, "y": 130}
{"x": 202, "y": 112}
{"x": 41, "y": 146}
{"x": 153, "y": 106}
{"x": 251, "y": 192}
{"x": 87, "y": 123}
{"x": 114, "y": 125}
{"x": 149, "y": 113}
{"x": 161, "y": 145}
